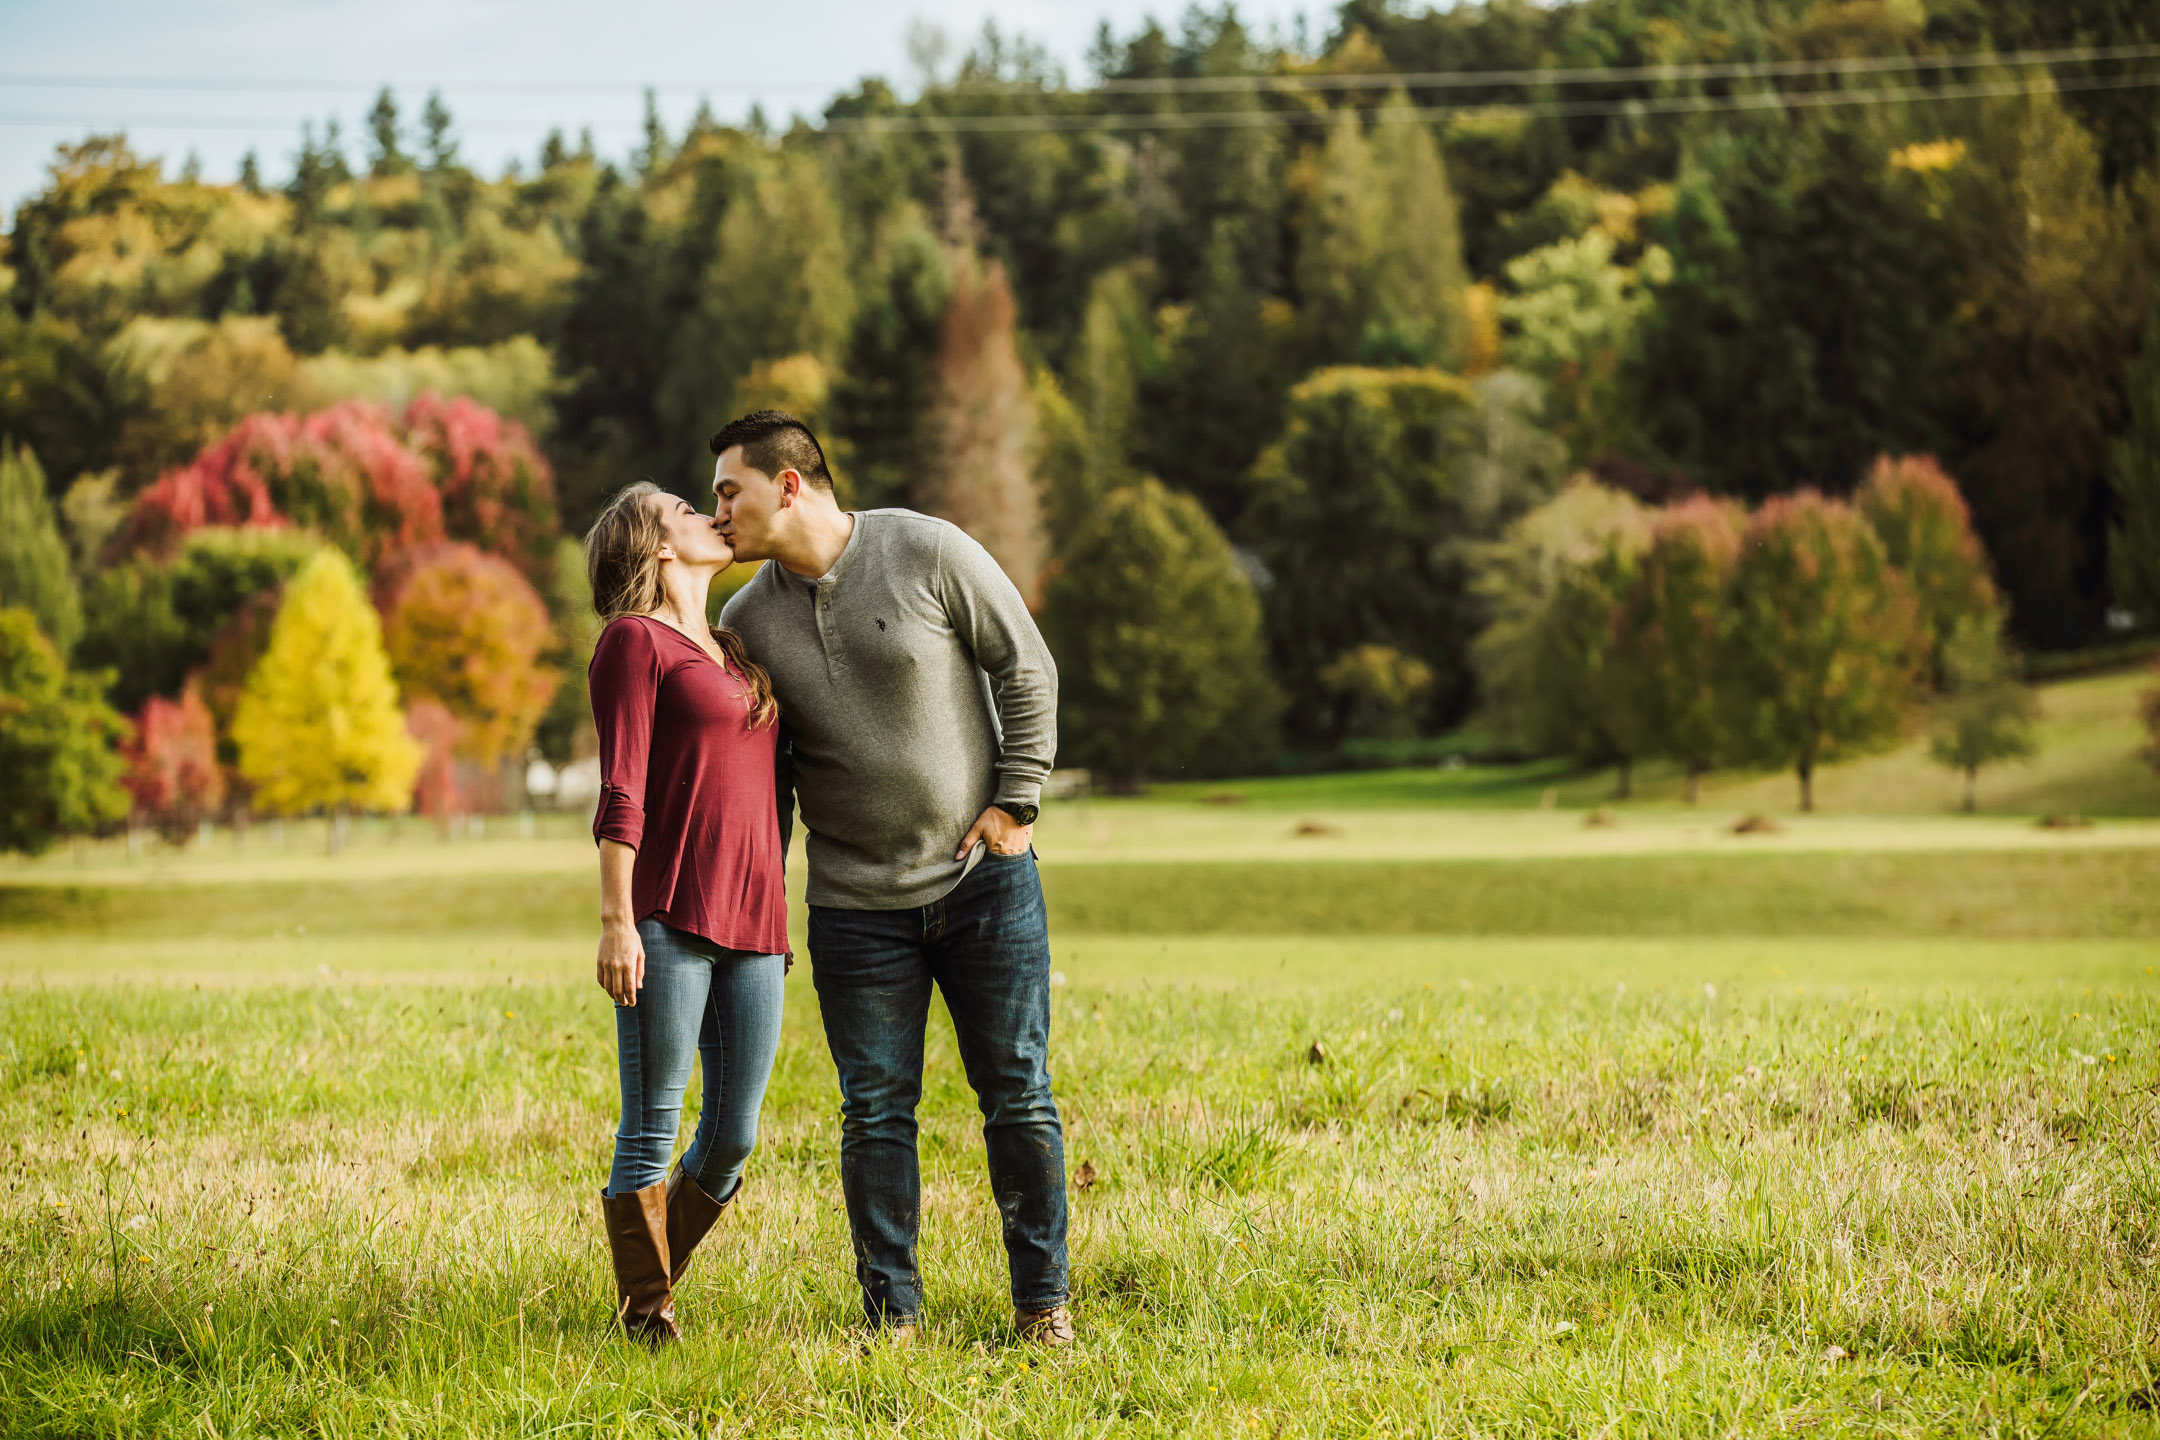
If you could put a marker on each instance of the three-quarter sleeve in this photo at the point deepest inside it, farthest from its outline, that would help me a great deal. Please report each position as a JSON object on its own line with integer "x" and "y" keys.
{"x": 624, "y": 682}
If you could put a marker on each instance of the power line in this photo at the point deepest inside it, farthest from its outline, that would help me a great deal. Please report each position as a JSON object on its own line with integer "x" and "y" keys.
{"x": 1193, "y": 84}
{"x": 1594, "y": 75}
{"x": 1644, "y": 105}
{"x": 1232, "y": 119}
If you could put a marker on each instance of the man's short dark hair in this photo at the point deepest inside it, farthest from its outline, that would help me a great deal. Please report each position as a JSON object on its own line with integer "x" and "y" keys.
{"x": 773, "y": 441}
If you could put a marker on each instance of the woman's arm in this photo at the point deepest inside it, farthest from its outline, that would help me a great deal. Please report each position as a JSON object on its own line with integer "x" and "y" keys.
{"x": 625, "y": 679}
{"x": 622, "y": 953}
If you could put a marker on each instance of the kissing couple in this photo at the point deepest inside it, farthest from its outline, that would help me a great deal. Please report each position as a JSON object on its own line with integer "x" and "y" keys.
{"x": 882, "y": 672}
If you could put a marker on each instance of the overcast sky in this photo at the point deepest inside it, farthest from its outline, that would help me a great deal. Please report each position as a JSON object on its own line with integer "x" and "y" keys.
{"x": 509, "y": 69}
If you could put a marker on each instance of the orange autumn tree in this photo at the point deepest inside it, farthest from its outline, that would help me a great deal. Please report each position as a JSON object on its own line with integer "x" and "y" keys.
{"x": 464, "y": 629}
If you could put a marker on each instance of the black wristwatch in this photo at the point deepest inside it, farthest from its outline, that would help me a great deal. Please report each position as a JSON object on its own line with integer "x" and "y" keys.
{"x": 1022, "y": 814}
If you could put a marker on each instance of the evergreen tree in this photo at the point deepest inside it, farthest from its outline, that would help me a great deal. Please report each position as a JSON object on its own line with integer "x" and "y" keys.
{"x": 1358, "y": 515}
{"x": 1113, "y": 354}
{"x": 56, "y": 743}
{"x": 386, "y": 157}
{"x": 318, "y": 725}
{"x": 1821, "y": 639}
{"x": 1380, "y": 269}
{"x": 883, "y": 388}
{"x": 1418, "y": 272}
{"x": 776, "y": 283}
{"x": 34, "y": 569}
{"x": 2134, "y": 473}
{"x": 1668, "y": 631}
{"x": 1986, "y": 716}
{"x": 1161, "y": 659}
{"x": 1225, "y": 373}
{"x": 438, "y": 147}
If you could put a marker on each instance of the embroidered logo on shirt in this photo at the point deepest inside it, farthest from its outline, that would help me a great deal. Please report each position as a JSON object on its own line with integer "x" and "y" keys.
{"x": 880, "y": 624}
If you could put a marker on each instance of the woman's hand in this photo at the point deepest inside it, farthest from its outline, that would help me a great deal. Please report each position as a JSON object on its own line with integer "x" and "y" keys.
{"x": 622, "y": 961}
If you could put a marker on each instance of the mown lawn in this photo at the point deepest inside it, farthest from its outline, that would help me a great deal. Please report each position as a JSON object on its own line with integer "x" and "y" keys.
{"x": 1822, "y": 1141}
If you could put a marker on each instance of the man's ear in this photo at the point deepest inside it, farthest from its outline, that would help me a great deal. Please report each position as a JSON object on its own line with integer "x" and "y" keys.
{"x": 790, "y": 486}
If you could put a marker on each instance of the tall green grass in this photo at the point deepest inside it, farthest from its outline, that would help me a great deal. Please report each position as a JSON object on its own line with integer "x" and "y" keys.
{"x": 1516, "y": 1209}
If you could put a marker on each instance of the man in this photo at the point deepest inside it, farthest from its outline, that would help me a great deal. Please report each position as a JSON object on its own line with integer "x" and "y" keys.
{"x": 920, "y": 705}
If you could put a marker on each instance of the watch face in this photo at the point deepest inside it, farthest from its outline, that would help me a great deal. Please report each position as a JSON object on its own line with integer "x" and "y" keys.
{"x": 1024, "y": 814}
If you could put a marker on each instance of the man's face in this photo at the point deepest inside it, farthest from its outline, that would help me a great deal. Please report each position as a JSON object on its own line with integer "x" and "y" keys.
{"x": 748, "y": 504}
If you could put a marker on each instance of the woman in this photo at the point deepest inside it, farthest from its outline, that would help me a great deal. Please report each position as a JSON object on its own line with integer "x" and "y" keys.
{"x": 693, "y": 918}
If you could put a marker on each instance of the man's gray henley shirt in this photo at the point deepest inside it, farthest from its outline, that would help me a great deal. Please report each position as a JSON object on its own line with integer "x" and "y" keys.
{"x": 914, "y": 689}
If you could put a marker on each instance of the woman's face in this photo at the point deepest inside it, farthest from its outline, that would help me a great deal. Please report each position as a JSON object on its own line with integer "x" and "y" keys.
{"x": 690, "y": 537}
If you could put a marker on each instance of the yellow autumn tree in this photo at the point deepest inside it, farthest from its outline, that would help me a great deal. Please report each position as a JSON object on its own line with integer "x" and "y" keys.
{"x": 318, "y": 724}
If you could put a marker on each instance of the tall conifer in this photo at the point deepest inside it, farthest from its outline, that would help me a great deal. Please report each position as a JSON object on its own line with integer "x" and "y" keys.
{"x": 34, "y": 570}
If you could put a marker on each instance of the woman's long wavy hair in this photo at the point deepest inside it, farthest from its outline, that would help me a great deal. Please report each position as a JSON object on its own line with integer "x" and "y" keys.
{"x": 622, "y": 562}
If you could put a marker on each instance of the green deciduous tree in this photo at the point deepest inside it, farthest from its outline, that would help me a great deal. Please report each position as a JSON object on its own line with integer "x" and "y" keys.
{"x": 152, "y": 622}
{"x": 57, "y": 738}
{"x": 1516, "y": 582}
{"x": 318, "y": 725}
{"x": 1359, "y": 516}
{"x": 1926, "y": 531}
{"x": 1669, "y": 625}
{"x": 1986, "y": 715}
{"x": 1161, "y": 660}
{"x": 34, "y": 569}
{"x": 1822, "y": 640}
{"x": 1584, "y": 695}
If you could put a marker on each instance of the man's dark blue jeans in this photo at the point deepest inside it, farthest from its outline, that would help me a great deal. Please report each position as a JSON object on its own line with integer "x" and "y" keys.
{"x": 986, "y": 947}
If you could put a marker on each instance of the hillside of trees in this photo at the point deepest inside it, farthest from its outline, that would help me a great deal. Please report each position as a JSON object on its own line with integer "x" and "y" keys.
{"x": 1319, "y": 327}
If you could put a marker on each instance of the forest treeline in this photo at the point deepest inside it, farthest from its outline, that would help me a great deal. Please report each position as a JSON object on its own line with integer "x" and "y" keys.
{"x": 1312, "y": 327}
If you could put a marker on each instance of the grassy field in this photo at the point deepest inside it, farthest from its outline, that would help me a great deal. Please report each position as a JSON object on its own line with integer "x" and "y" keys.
{"x": 1458, "y": 1116}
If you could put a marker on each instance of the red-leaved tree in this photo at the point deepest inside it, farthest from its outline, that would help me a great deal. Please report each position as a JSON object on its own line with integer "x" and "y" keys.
{"x": 497, "y": 491}
{"x": 341, "y": 472}
{"x": 172, "y": 763}
{"x": 435, "y": 792}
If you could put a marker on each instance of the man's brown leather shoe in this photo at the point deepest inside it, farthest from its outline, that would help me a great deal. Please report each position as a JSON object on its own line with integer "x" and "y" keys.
{"x": 637, "y": 1226}
{"x": 1052, "y": 1327}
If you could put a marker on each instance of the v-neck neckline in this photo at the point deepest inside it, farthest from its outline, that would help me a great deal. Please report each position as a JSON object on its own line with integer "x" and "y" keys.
{"x": 719, "y": 660}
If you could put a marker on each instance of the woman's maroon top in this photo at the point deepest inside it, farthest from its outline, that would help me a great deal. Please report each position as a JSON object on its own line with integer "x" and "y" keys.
{"x": 688, "y": 784}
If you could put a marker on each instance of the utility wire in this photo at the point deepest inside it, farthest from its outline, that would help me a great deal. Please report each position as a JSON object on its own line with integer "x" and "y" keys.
{"x": 1593, "y": 75}
{"x": 1194, "y": 84}
{"x": 1765, "y": 100}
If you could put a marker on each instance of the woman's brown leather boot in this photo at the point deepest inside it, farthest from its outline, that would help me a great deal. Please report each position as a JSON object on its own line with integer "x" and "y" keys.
{"x": 690, "y": 1213}
{"x": 637, "y": 1233}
